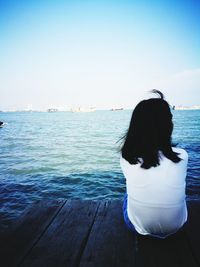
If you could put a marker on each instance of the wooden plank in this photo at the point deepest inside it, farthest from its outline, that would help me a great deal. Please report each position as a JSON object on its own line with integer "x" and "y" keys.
{"x": 63, "y": 242}
{"x": 173, "y": 251}
{"x": 110, "y": 244}
{"x": 193, "y": 228}
{"x": 170, "y": 252}
{"x": 16, "y": 243}
{"x": 91, "y": 233}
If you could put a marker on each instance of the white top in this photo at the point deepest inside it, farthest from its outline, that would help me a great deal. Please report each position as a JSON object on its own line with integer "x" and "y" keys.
{"x": 156, "y": 197}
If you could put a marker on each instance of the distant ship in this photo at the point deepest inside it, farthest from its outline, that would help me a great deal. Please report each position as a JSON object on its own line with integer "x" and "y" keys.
{"x": 116, "y": 109}
{"x": 1, "y": 124}
{"x": 81, "y": 109}
{"x": 52, "y": 110}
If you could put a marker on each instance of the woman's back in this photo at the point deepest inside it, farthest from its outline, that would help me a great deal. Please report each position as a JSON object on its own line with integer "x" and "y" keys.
{"x": 156, "y": 196}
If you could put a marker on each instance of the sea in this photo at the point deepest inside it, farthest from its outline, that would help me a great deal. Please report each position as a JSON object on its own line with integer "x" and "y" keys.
{"x": 75, "y": 155}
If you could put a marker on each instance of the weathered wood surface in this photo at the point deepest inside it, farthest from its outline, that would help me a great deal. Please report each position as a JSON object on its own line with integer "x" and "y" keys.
{"x": 92, "y": 233}
{"x": 64, "y": 241}
{"x": 171, "y": 252}
{"x": 109, "y": 243}
{"x": 20, "y": 239}
{"x": 193, "y": 229}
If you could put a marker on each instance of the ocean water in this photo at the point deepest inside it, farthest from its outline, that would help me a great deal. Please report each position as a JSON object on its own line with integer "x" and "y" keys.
{"x": 75, "y": 155}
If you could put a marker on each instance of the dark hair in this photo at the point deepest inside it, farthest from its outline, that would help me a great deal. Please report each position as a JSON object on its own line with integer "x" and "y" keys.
{"x": 149, "y": 132}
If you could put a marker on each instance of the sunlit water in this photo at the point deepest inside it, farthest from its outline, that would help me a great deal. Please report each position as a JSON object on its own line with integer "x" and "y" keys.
{"x": 75, "y": 155}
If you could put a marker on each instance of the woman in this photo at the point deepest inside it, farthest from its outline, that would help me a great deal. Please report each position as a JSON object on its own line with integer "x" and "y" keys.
{"x": 155, "y": 171}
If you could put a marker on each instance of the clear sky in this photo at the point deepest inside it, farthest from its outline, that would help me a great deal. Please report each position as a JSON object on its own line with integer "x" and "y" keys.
{"x": 98, "y": 53}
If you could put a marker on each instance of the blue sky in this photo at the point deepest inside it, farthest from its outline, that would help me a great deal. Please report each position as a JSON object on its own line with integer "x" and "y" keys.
{"x": 98, "y": 53}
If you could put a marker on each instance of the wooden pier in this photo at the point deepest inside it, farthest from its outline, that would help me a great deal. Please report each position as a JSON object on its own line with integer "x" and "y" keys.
{"x": 74, "y": 233}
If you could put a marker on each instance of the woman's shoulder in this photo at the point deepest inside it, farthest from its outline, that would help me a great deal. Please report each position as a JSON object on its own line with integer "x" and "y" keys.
{"x": 123, "y": 160}
{"x": 182, "y": 152}
{"x": 126, "y": 165}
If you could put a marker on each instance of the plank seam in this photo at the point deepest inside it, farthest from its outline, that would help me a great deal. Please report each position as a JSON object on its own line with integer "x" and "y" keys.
{"x": 83, "y": 246}
{"x": 37, "y": 240}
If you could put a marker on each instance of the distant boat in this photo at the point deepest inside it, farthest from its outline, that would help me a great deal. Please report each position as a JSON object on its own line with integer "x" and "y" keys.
{"x": 81, "y": 109}
{"x": 52, "y": 110}
{"x": 1, "y": 124}
{"x": 116, "y": 109}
